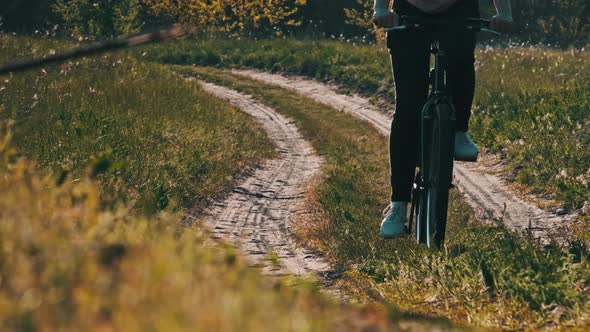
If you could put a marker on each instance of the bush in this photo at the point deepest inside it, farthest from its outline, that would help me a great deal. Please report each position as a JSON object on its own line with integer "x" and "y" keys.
{"x": 99, "y": 19}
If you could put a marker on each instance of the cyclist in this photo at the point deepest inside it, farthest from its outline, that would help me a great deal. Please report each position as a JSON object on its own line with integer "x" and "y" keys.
{"x": 410, "y": 59}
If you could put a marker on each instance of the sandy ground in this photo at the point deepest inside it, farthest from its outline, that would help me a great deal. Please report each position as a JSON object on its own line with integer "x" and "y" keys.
{"x": 255, "y": 217}
{"x": 485, "y": 192}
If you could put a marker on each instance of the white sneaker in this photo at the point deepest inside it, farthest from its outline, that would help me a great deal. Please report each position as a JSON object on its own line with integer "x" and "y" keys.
{"x": 465, "y": 149}
{"x": 394, "y": 221}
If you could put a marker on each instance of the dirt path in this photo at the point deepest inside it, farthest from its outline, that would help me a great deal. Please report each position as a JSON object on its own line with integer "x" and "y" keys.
{"x": 485, "y": 192}
{"x": 255, "y": 217}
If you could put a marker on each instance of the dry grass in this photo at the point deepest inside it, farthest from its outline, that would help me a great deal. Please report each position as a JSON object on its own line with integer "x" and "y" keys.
{"x": 68, "y": 264}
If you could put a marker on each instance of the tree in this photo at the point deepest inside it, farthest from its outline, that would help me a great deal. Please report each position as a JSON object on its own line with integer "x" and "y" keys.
{"x": 230, "y": 16}
{"x": 362, "y": 16}
{"x": 329, "y": 18}
{"x": 25, "y": 15}
{"x": 99, "y": 18}
{"x": 555, "y": 21}
{"x": 560, "y": 22}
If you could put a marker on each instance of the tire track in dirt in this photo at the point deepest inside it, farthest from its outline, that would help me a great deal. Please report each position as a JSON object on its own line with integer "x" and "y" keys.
{"x": 256, "y": 215}
{"x": 486, "y": 193}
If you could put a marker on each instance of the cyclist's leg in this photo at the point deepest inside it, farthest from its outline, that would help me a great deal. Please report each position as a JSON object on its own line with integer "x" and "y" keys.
{"x": 410, "y": 64}
{"x": 460, "y": 46}
{"x": 461, "y": 78}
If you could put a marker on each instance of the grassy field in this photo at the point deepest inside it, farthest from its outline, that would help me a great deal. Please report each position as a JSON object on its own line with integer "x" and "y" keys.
{"x": 360, "y": 67}
{"x": 69, "y": 264}
{"x": 533, "y": 108}
{"x": 112, "y": 147}
{"x": 485, "y": 277}
{"x": 531, "y": 104}
{"x": 150, "y": 137}
{"x": 98, "y": 161}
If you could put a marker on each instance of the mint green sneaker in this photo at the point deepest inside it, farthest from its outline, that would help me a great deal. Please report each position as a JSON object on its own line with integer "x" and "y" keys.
{"x": 465, "y": 149}
{"x": 394, "y": 221}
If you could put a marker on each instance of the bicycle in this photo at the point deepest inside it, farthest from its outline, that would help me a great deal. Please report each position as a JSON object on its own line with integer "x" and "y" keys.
{"x": 430, "y": 195}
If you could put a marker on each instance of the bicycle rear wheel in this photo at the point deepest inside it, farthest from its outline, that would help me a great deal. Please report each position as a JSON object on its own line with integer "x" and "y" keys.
{"x": 437, "y": 172}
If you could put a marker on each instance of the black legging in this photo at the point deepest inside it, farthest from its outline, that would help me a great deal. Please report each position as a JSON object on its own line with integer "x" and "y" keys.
{"x": 410, "y": 57}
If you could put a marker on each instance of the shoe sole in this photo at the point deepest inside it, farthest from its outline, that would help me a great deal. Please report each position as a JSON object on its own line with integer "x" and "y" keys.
{"x": 466, "y": 159}
{"x": 390, "y": 237}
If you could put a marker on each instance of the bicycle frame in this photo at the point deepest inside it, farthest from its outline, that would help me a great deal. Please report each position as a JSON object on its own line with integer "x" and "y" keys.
{"x": 439, "y": 95}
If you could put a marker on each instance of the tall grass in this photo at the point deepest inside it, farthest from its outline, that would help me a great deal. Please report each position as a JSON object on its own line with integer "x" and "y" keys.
{"x": 76, "y": 251}
{"x": 486, "y": 276}
{"x": 150, "y": 136}
{"x": 533, "y": 108}
{"x": 531, "y": 104}
{"x": 69, "y": 264}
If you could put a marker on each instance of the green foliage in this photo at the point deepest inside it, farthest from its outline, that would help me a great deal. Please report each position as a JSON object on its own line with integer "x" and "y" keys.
{"x": 562, "y": 22}
{"x": 101, "y": 19}
{"x": 325, "y": 18}
{"x": 25, "y": 15}
{"x": 253, "y": 17}
{"x": 362, "y": 16}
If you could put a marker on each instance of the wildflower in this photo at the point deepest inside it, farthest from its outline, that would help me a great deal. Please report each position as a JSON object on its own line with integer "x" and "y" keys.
{"x": 582, "y": 179}
{"x": 561, "y": 175}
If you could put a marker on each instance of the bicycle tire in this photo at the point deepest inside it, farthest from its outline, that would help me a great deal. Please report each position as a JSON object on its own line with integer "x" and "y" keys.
{"x": 437, "y": 171}
{"x": 417, "y": 209}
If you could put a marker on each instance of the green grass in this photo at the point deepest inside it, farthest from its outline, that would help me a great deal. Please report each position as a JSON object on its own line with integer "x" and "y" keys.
{"x": 151, "y": 137}
{"x": 76, "y": 251}
{"x": 69, "y": 264}
{"x": 356, "y": 66}
{"x": 533, "y": 108}
{"x": 531, "y": 104}
{"x": 75, "y": 258}
{"x": 487, "y": 276}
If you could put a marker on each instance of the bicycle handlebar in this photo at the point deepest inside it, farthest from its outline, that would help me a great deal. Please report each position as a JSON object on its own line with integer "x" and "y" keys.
{"x": 415, "y": 22}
